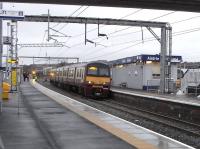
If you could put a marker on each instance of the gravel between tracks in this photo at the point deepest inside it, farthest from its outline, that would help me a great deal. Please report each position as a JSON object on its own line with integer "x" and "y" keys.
{"x": 162, "y": 129}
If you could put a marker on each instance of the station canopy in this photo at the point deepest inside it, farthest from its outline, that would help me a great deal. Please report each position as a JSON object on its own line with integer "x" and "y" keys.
{"x": 177, "y": 5}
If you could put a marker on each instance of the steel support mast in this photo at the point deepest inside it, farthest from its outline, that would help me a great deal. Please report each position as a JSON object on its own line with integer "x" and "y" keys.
{"x": 1, "y": 53}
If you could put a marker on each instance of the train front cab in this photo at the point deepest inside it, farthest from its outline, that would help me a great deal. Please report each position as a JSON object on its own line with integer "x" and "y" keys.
{"x": 97, "y": 80}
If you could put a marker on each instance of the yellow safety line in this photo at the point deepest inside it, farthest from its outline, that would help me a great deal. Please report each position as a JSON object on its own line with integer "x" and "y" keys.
{"x": 129, "y": 138}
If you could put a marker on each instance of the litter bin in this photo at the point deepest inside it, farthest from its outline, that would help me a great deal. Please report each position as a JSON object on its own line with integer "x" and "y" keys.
{"x": 6, "y": 90}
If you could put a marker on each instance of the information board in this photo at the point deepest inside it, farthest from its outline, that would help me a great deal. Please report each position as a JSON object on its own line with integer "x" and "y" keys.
{"x": 11, "y": 15}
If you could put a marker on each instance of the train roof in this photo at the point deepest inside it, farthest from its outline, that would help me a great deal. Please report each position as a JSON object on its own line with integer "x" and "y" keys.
{"x": 83, "y": 64}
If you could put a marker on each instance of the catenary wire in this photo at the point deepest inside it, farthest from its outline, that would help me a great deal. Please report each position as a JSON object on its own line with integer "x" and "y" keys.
{"x": 76, "y": 16}
{"x": 104, "y": 26}
{"x": 176, "y": 22}
{"x": 126, "y": 48}
{"x": 42, "y": 42}
{"x": 75, "y": 45}
{"x": 94, "y": 29}
{"x": 69, "y": 15}
{"x": 131, "y": 26}
{"x": 66, "y": 24}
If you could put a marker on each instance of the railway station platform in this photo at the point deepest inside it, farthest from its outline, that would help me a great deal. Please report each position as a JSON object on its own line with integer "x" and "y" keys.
{"x": 107, "y": 130}
{"x": 44, "y": 119}
{"x": 42, "y": 123}
{"x": 183, "y": 99}
{"x": 18, "y": 129}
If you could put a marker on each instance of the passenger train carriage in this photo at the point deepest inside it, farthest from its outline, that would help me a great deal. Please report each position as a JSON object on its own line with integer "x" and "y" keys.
{"x": 89, "y": 79}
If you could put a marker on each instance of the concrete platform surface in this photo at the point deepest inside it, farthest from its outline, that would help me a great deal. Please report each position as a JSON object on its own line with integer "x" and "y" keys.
{"x": 18, "y": 129}
{"x": 65, "y": 129}
{"x": 183, "y": 99}
{"x": 135, "y": 135}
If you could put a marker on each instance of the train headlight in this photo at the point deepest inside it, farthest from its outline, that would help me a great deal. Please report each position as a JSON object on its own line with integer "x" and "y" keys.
{"x": 52, "y": 74}
{"x": 90, "y": 82}
{"x": 33, "y": 72}
{"x": 105, "y": 83}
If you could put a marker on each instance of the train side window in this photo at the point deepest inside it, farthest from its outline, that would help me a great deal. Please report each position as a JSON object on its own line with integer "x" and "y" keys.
{"x": 82, "y": 74}
{"x": 67, "y": 72}
{"x": 78, "y": 72}
{"x": 72, "y": 74}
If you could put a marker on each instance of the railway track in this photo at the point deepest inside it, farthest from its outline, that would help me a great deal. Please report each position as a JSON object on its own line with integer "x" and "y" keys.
{"x": 184, "y": 126}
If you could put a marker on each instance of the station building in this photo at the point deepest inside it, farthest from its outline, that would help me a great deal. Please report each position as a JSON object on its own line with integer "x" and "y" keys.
{"x": 141, "y": 72}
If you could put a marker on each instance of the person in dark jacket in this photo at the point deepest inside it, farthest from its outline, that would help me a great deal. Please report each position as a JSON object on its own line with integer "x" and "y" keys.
{"x": 24, "y": 76}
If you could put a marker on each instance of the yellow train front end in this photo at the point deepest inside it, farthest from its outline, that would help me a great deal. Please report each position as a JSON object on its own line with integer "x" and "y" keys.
{"x": 97, "y": 80}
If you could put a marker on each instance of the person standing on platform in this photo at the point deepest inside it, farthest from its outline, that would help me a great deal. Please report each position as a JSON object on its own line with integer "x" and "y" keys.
{"x": 27, "y": 76}
{"x": 24, "y": 76}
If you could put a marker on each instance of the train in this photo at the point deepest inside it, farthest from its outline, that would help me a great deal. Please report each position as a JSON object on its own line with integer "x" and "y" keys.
{"x": 91, "y": 79}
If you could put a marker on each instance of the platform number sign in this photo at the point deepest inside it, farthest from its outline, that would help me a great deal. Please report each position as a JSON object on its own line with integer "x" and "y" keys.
{"x": 6, "y": 40}
{"x": 11, "y": 15}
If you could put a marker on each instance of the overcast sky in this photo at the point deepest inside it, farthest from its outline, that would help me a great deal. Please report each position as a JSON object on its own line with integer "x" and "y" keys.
{"x": 127, "y": 42}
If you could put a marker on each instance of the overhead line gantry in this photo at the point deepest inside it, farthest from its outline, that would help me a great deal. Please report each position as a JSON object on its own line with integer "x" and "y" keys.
{"x": 165, "y": 39}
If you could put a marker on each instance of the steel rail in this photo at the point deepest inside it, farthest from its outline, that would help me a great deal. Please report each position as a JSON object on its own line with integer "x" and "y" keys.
{"x": 164, "y": 120}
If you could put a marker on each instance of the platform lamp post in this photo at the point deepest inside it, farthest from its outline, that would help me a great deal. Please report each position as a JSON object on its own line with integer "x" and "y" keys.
{"x": 1, "y": 53}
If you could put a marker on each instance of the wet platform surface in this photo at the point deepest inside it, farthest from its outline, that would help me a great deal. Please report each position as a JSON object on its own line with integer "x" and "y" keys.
{"x": 18, "y": 130}
{"x": 49, "y": 125}
{"x": 183, "y": 99}
{"x": 137, "y": 136}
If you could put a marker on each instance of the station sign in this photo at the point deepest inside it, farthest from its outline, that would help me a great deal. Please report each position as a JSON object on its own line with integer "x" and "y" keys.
{"x": 144, "y": 58}
{"x": 11, "y": 15}
{"x": 156, "y": 58}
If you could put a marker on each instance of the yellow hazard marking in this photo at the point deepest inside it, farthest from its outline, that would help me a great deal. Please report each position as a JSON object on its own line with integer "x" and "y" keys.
{"x": 127, "y": 137}
{"x": 14, "y": 77}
